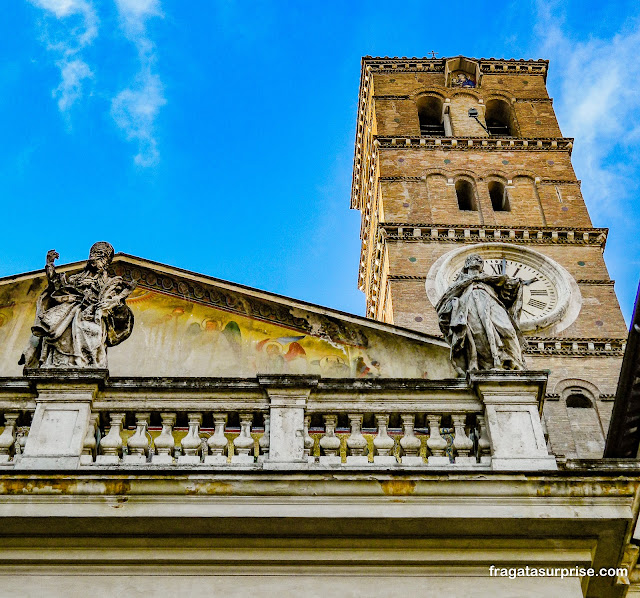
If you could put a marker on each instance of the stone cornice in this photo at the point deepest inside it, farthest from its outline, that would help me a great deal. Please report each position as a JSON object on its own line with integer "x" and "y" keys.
{"x": 607, "y": 347}
{"x": 539, "y": 181}
{"x": 488, "y": 66}
{"x": 553, "y": 144}
{"x": 391, "y": 97}
{"x": 534, "y": 100}
{"x": 517, "y": 100}
{"x": 484, "y": 232}
{"x": 403, "y": 277}
{"x": 590, "y": 281}
{"x": 559, "y": 182}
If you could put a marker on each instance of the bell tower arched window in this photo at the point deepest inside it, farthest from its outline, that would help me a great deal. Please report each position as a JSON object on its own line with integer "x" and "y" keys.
{"x": 576, "y": 400}
{"x": 430, "y": 114}
{"x": 499, "y": 118}
{"x": 499, "y": 197}
{"x": 466, "y": 194}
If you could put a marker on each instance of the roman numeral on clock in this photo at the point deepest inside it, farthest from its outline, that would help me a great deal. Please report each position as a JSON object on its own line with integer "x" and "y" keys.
{"x": 539, "y": 292}
{"x": 537, "y": 304}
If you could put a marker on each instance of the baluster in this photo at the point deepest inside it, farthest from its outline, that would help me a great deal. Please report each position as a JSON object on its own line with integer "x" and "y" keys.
{"x": 462, "y": 444}
{"x": 138, "y": 442}
{"x": 383, "y": 443}
{"x": 409, "y": 443}
{"x": 165, "y": 443}
{"x": 7, "y": 438}
{"x": 436, "y": 443}
{"x": 89, "y": 444}
{"x": 244, "y": 444}
{"x": 218, "y": 441}
{"x": 330, "y": 443}
{"x": 484, "y": 444}
{"x": 21, "y": 439}
{"x": 263, "y": 443}
{"x": 111, "y": 444}
{"x": 308, "y": 441}
{"x": 191, "y": 444}
{"x": 357, "y": 443}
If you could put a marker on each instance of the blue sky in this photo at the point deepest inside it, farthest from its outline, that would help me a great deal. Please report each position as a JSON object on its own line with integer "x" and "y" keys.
{"x": 218, "y": 135}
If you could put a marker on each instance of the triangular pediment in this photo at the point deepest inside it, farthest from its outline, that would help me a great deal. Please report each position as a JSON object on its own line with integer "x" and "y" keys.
{"x": 187, "y": 324}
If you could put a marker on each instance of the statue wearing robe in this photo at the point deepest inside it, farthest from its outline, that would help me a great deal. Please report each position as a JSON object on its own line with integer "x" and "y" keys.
{"x": 79, "y": 316}
{"x": 479, "y": 315}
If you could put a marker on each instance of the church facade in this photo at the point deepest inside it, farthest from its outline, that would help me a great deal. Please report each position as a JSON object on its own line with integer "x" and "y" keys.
{"x": 167, "y": 431}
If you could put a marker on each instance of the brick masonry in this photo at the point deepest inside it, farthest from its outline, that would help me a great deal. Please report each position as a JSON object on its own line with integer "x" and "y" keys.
{"x": 398, "y": 181}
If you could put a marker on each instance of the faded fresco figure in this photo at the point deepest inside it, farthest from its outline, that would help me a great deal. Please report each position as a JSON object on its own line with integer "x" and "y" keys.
{"x": 479, "y": 315}
{"x": 79, "y": 316}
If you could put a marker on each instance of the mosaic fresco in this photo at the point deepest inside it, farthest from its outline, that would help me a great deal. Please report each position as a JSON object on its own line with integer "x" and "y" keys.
{"x": 231, "y": 334}
{"x": 462, "y": 79}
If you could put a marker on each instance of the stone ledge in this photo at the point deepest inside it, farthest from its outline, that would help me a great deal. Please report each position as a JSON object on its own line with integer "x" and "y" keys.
{"x": 66, "y": 375}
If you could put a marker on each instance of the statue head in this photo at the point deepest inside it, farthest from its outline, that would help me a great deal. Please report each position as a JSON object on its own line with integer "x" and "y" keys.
{"x": 100, "y": 255}
{"x": 473, "y": 262}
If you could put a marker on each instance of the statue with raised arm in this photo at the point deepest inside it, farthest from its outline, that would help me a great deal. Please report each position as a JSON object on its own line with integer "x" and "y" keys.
{"x": 79, "y": 316}
{"x": 479, "y": 315}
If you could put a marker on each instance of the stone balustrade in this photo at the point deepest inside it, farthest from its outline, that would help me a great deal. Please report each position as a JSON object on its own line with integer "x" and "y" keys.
{"x": 174, "y": 438}
{"x": 488, "y": 421}
{"x": 397, "y": 439}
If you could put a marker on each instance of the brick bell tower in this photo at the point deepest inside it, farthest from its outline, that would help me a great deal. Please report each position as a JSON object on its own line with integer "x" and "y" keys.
{"x": 456, "y": 156}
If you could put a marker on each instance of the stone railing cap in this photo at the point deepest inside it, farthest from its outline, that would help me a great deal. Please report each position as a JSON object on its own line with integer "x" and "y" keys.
{"x": 288, "y": 380}
{"x": 511, "y": 378}
{"x": 66, "y": 375}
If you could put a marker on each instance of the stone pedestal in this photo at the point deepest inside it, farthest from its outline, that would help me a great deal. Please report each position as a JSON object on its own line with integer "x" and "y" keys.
{"x": 287, "y": 399}
{"x": 512, "y": 409}
{"x": 61, "y": 419}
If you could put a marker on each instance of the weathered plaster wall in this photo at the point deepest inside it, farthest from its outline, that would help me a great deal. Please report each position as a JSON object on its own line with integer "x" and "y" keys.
{"x": 176, "y": 336}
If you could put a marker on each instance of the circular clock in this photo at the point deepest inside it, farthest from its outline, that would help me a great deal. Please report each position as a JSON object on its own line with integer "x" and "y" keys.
{"x": 551, "y": 296}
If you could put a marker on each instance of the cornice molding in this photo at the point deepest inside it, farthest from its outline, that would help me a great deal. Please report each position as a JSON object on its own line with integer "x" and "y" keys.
{"x": 597, "y": 347}
{"x": 534, "y": 100}
{"x": 539, "y": 181}
{"x": 488, "y": 66}
{"x": 390, "y": 97}
{"x": 414, "y": 232}
{"x": 600, "y": 347}
{"x": 404, "y": 277}
{"x": 552, "y": 144}
{"x": 595, "y": 282}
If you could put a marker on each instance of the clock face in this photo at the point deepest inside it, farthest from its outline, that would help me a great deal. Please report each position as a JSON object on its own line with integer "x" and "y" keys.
{"x": 550, "y": 295}
{"x": 540, "y": 297}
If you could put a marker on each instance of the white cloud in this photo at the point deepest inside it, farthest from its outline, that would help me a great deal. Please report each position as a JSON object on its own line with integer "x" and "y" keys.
{"x": 135, "y": 109}
{"x": 75, "y": 28}
{"x": 598, "y": 104}
{"x": 134, "y": 13}
{"x": 70, "y": 88}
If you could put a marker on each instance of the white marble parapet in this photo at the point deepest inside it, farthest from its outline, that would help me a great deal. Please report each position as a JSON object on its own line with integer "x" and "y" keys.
{"x": 513, "y": 402}
{"x": 488, "y": 421}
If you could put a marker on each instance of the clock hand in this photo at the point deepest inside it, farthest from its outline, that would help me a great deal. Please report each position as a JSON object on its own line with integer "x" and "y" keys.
{"x": 528, "y": 282}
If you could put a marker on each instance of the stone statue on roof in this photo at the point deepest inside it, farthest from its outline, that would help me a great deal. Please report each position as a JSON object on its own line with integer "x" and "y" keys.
{"x": 80, "y": 315}
{"x": 479, "y": 315}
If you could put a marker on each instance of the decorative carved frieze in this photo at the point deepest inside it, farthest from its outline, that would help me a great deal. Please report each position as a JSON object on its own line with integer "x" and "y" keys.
{"x": 486, "y": 232}
{"x": 487, "y": 66}
{"x": 534, "y": 100}
{"x": 609, "y": 283}
{"x": 564, "y": 144}
{"x": 575, "y": 346}
{"x": 243, "y": 304}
